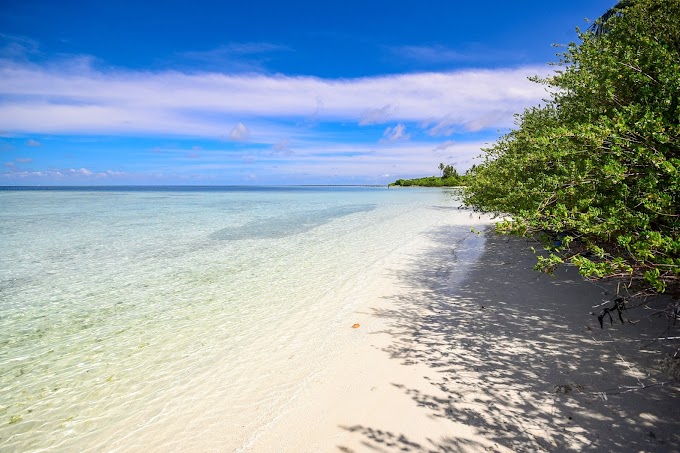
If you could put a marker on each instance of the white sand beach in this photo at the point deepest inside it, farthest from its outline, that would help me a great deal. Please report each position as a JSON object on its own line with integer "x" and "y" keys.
{"x": 190, "y": 333}
{"x": 457, "y": 352}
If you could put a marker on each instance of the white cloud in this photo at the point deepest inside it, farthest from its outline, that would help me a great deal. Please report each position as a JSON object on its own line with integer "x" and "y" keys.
{"x": 75, "y": 98}
{"x": 402, "y": 159}
{"x": 314, "y": 161}
{"x": 398, "y": 132}
{"x": 239, "y": 133}
{"x": 490, "y": 118}
{"x": 437, "y": 54}
{"x": 248, "y": 57}
{"x": 229, "y": 50}
{"x": 111, "y": 173}
{"x": 444, "y": 146}
{"x": 55, "y": 174}
{"x": 365, "y": 160}
{"x": 375, "y": 116}
{"x": 282, "y": 148}
{"x": 444, "y": 126}
{"x": 17, "y": 47}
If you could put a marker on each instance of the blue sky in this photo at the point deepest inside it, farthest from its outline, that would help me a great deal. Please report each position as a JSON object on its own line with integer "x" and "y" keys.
{"x": 264, "y": 92}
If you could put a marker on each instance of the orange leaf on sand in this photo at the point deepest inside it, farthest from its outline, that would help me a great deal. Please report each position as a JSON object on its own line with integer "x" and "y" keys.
{"x": 355, "y": 326}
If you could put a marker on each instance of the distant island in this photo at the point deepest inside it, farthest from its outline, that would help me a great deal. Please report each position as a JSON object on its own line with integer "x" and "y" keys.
{"x": 449, "y": 178}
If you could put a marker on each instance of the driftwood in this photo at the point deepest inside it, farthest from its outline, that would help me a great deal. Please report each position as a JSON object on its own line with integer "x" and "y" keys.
{"x": 619, "y": 307}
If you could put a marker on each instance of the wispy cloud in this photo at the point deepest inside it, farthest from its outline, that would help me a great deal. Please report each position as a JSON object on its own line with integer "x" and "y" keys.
{"x": 282, "y": 148}
{"x": 437, "y": 55}
{"x": 227, "y": 52}
{"x": 239, "y": 133}
{"x": 393, "y": 134}
{"x": 444, "y": 126}
{"x": 233, "y": 57}
{"x": 69, "y": 172}
{"x": 376, "y": 116}
{"x": 361, "y": 128}
{"x": 429, "y": 54}
{"x": 79, "y": 99}
{"x": 313, "y": 162}
{"x": 444, "y": 146}
{"x": 489, "y": 119}
{"x": 18, "y": 160}
{"x": 64, "y": 174}
{"x": 400, "y": 159}
{"x": 17, "y": 47}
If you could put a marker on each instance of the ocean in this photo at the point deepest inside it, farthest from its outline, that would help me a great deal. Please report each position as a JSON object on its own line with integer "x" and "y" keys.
{"x": 153, "y": 317}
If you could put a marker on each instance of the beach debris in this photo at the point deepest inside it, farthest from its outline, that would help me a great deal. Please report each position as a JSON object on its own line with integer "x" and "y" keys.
{"x": 671, "y": 366}
{"x": 619, "y": 307}
{"x": 568, "y": 388}
{"x": 355, "y": 326}
{"x": 562, "y": 388}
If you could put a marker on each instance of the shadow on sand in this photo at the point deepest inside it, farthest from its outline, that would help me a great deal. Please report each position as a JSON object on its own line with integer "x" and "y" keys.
{"x": 517, "y": 355}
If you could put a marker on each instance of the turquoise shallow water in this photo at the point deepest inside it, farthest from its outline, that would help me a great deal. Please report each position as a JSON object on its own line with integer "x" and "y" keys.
{"x": 148, "y": 318}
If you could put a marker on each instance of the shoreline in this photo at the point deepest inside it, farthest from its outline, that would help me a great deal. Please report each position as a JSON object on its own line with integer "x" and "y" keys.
{"x": 458, "y": 352}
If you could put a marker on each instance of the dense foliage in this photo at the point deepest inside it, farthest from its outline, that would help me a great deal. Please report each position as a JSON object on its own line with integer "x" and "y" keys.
{"x": 596, "y": 170}
{"x": 449, "y": 178}
{"x": 429, "y": 181}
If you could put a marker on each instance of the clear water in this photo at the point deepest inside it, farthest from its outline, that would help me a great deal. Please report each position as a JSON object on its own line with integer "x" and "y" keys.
{"x": 160, "y": 319}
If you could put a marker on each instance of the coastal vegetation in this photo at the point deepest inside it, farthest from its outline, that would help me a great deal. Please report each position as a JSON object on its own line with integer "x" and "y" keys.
{"x": 595, "y": 171}
{"x": 449, "y": 178}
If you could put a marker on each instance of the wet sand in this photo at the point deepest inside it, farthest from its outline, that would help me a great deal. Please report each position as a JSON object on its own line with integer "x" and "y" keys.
{"x": 461, "y": 352}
